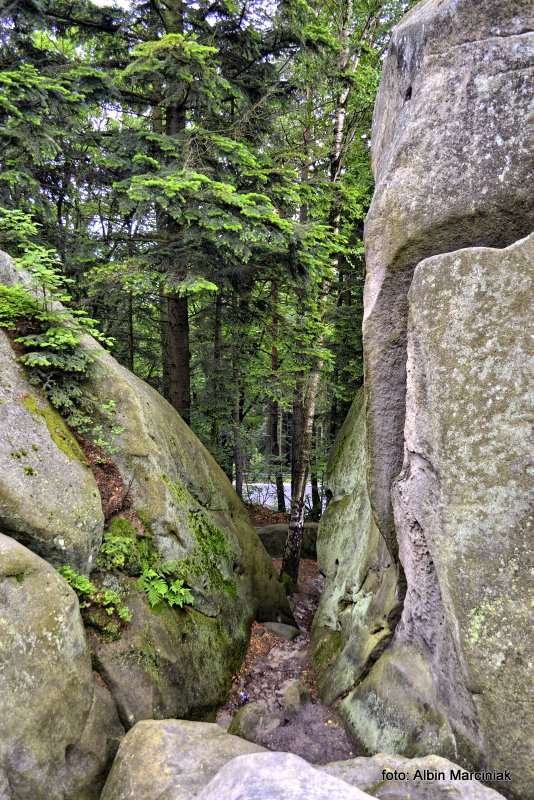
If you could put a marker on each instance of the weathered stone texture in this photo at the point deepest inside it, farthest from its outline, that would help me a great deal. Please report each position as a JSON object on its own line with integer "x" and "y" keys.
{"x": 181, "y": 661}
{"x": 463, "y": 504}
{"x": 48, "y": 497}
{"x": 171, "y": 760}
{"x": 361, "y": 601}
{"x": 448, "y": 399}
{"x": 177, "y": 760}
{"x": 58, "y": 732}
{"x": 453, "y": 149}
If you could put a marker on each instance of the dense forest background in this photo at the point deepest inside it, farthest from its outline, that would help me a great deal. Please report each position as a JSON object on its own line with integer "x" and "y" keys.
{"x": 200, "y": 173}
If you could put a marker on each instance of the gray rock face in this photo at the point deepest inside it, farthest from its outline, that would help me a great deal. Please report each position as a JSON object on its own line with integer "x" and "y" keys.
{"x": 429, "y": 778}
{"x": 452, "y": 150}
{"x": 171, "y": 760}
{"x": 288, "y": 632}
{"x": 276, "y": 776}
{"x": 58, "y": 733}
{"x": 463, "y": 514}
{"x": 361, "y": 600}
{"x": 448, "y": 399}
{"x": 182, "y": 662}
{"x": 49, "y": 500}
{"x": 186, "y": 499}
{"x": 169, "y": 664}
{"x": 463, "y": 505}
{"x": 177, "y": 760}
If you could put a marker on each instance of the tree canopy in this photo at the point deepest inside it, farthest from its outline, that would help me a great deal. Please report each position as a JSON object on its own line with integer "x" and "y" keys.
{"x": 199, "y": 172}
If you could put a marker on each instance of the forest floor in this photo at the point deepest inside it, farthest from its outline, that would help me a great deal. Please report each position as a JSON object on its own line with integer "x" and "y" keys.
{"x": 311, "y": 730}
{"x": 262, "y": 515}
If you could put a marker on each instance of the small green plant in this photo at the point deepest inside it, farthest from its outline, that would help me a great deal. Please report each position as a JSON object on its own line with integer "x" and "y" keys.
{"x": 49, "y": 334}
{"x": 161, "y": 585}
{"x": 125, "y": 550}
{"x": 90, "y": 595}
{"x": 122, "y": 548}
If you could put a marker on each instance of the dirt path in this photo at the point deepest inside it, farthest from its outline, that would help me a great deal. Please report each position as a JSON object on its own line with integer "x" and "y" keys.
{"x": 309, "y": 728}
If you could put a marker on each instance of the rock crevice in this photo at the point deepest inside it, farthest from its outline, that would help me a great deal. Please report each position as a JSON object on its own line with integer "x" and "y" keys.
{"x": 447, "y": 393}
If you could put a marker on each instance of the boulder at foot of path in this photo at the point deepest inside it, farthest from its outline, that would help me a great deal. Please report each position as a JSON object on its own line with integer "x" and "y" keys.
{"x": 307, "y": 729}
{"x": 276, "y": 776}
{"x": 181, "y": 760}
{"x": 171, "y": 759}
{"x": 274, "y": 538}
{"x": 282, "y": 630}
{"x": 58, "y": 732}
{"x": 428, "y": 778}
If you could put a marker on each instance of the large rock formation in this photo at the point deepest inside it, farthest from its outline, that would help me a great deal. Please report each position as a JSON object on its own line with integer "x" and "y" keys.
{"x": 177, "y": 760}
{"x": 58, "y": 731}
{"x": 447, "y": 439}
{"x": 171, "y": 661}
{"x": 360, "y": 604}
{"x": 276, "y": 776}
{"x": 48, "y": 497}
{"x": 452, "y": 152}
{"x": 171, "y": 759}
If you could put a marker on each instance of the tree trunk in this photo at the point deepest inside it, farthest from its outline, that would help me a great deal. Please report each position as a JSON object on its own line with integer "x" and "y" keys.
{"x": 216, "y": 377}
{"x": 177, "y": 356}
{"x": 293, "y": 546}
{"x": 280, "y": 493}
{"x": 237, "y": 402}
{"x": 175, "y": 348}
{"x": 316, "y": 509}
{"x": 317, "y": 506}
{"x": 275, "y": 421}
{"x": 131, "y": 339}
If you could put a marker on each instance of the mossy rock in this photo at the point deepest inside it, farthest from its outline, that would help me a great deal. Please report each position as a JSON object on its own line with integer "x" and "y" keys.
{"x": 49, "y": 499}
{"x": 353, "y": 623}
{"x": 170, "y": 662}
{"x": 50, "y": 704}
{"x": 192, "y": 516}
{"x": 171, "y": 758}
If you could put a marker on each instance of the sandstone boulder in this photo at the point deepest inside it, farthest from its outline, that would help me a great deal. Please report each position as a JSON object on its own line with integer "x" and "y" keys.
{"x": 360, "y": 603}
{"x": 458, "y": 677}
{"x": 193, "y": 516}
{"x": 447, "y": 448}
{"x": 171, "y": 760}
{"x": 429, "y": 778}
{"x": 274, "y": 539}
{"x": 276, "y": 776}
{"x": 182, "y": 660}
{"x": 178, "y": 760}
{"x": 170, "y": 663}
{"x": 58, "y": 732}
{"x": 452, "y": 156}
{"x": 49, "y": 500}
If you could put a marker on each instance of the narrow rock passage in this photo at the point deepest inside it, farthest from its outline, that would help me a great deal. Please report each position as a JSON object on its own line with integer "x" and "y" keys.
{"x": 274, "y": 701}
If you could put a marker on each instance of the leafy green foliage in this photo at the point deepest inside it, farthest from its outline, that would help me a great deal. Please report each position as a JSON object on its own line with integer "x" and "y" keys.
{"x": 188, "y": 150}
{"x": 161, "y": 585}
{"x": 94, "y": 597}
{"x": 124, "y": 549}
{"x": 52, "y": 351}
{"x": 16, "y": 303}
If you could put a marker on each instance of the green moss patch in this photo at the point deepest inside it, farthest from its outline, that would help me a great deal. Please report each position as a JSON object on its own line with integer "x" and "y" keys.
{"x": 211, "y": 544}
{"x": 123, "y": 548}
{"x": 58, "y": 430}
